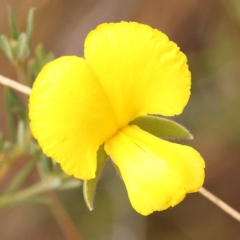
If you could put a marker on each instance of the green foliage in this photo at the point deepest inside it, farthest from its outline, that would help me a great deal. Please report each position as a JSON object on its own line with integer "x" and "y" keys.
{"x": 12, "y": 24}
{"x": 17, "y": 49}
{"x": 29, "y": 30}
{"x": 6, "y": 47}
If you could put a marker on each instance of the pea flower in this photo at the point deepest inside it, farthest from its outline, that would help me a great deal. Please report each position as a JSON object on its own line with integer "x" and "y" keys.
{"x": 78, "y": 104}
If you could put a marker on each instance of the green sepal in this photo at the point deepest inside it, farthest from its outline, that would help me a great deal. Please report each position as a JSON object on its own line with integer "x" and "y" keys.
{"x": 12, "y": 24}
{"x": 161, "y": 127}
{"x": 89, "y": 186}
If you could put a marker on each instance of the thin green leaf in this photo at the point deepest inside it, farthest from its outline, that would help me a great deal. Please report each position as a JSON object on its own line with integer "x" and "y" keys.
{"x": 12, "y": 23}
{"x": 20, "y": 177}
{"x": 22, "y": 48}
{"x": 5, "y": 46}
{"x": 89, "y": 186}
{"x": 161, "y": 127}
{"x": 30, "y": 26}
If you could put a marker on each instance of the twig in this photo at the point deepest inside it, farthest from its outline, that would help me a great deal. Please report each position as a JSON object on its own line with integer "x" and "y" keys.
{"x": 15, "y": 85}
{"x": 218, "y": 202}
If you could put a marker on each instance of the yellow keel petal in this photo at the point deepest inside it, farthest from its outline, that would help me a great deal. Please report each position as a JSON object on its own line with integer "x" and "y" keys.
{"x": 150, "y": 186}
{"x": 157, "y": 173}
{"x": 183, "y": 161}
{"x": 70, "y": 115}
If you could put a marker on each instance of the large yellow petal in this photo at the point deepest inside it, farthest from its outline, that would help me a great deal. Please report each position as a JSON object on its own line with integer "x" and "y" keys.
{"x": 141, "y": 71}
{"x": 70, "y": 115}
{"x": 150, "y": 186}
{"x": 183, "y": 161}
{"x": 157, "y": 174}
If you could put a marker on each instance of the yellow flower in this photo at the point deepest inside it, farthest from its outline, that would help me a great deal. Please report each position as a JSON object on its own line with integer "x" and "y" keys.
{"x": 77, "y": 104}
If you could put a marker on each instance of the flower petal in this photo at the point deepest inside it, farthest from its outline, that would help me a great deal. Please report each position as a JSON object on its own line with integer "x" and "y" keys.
{"x": 150, "y": 186}
{"x": 70, "y": 115}
{"x": 141, "y": 71}
{"x": 183, "y": 161}
{"x": 153, "y": 169}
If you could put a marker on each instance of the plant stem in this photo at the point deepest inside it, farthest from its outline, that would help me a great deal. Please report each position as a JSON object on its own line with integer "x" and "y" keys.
{"x": 15, "y": 85}
{"x": 218, "y": 202}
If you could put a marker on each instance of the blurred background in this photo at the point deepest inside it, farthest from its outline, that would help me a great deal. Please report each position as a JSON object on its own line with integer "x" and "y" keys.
{"x": 208, "y": 32}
